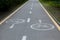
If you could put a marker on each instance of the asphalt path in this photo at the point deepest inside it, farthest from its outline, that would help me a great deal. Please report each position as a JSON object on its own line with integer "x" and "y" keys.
{"x": 29, "y": 23}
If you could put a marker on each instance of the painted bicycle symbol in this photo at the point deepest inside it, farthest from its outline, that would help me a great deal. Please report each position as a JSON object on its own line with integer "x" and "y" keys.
{"x": 42, "y": 26}
{"x": 15, "y": 21}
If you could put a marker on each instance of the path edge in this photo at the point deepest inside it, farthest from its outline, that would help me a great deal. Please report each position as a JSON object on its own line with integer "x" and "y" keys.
{"x": 56, "y": 24}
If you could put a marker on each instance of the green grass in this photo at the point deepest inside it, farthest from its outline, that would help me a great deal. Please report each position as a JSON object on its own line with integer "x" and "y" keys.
{"x": 53, "y": 8}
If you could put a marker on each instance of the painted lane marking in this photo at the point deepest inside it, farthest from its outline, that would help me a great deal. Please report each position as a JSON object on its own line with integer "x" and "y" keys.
{"x": 42, "y": 27}
{"x": 28, "y": 20}
{"x": 24, "y": 37}
{"x": 30, "y": 12}
{"x": 12, "y": 26}
{"x": 15, "y": 21}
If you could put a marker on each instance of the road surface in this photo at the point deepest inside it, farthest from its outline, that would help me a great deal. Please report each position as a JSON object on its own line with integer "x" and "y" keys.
{"x": 29, "y": 23}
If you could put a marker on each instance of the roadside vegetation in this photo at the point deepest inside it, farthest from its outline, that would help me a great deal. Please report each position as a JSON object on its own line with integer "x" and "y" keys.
{"x": 53, "y": 7}
{"x": 7, "y": 6}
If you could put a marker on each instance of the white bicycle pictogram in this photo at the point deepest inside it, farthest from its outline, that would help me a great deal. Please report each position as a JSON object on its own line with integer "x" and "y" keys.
{"x": 15, "y": 21}
{"x": 42, "y": 26}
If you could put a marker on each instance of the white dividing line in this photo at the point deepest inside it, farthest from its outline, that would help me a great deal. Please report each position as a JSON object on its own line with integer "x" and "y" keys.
{"x": 24, "y": 38}
{"x": 30, "y": 12}
{"x": 28, "y": 20}
{"x": 12, "y": 26}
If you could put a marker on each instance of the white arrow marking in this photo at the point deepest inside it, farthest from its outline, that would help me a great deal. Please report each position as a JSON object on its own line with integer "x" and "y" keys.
{"x": 28, "y": 20}
{"x": 24, "y": 38}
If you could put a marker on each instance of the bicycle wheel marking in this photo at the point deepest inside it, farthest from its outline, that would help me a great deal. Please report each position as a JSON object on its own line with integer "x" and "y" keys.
{"x": 15, "y": 21}
{"x": 42, "y": 26}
